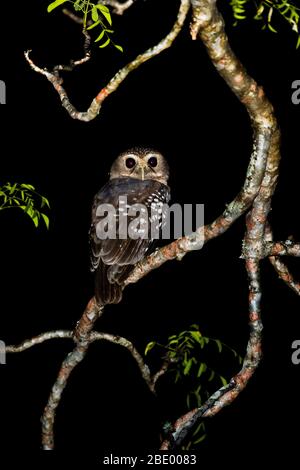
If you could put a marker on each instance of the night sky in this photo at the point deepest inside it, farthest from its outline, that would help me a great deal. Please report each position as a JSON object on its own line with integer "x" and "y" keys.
{"x": 178, "y": 104}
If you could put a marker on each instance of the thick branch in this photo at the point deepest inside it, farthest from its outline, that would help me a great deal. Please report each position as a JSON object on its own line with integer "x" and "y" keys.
{"x": 84, "y": 327}
{"x": 208, "y": 22}
{"x": 120, "y": 76}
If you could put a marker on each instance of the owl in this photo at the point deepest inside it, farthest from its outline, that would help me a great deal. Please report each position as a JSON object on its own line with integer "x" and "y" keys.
{"x": 127, "y": 215}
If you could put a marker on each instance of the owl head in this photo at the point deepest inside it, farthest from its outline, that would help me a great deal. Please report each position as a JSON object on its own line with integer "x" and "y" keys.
{"x": 141, "y": 163}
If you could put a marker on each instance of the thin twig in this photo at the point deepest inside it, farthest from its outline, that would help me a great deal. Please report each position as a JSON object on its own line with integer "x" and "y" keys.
{"x": 286, "y": 248}
{"x": 118, "y": 7}
{"x": 73, "y": 16}
{"x": 164, "y": 368}
{"x": 29, "y": 343}
{"x": 144, "y": 369}
{"x": 280, "y": 267}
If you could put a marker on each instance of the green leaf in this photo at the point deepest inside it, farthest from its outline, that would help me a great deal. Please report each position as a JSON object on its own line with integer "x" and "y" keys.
{"x": 55, "y": 4}
{"x": 199, "y": 401}
{"x": 78, "y": 5}
{"x": 45, "y": 202}
{"x": 100, "y": 36}
{"x": 239, "y": 17}
{"x": 201, "y": 369}
{"x": 197, "y": 336}
{"x": 46, "y": 220}
{"x": 149, "y": 346}
{"x": 120, "y": 48}
{"x": 103, "y": 7}
{"x": 29, "y": 210}
{"x": 187, "y": 367}
{"x": 200, "y": 439}
{"x": 27, "y": 186}
{"x": 185, "y": 358}
{"x": 13, "y": 188}
{"x": 212, "y": 375}
{"x": 94, "y": 25}
{"x": 219, "y": 344}
{"x": 95, "y": 14}
{"x": 105, "y": 12}
{"x": 105, "y": 44}
{"x": 35, "y": 220}
{"x": 188, "y": 401}
{"x": 271, "y": 28}
{"x": 223, "y": 380}
{"x": 172, "y": 354}
{"x": 198, "y": 428}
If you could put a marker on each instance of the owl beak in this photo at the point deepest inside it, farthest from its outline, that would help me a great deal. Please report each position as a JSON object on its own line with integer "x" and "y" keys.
{"x": 142, "y": 168}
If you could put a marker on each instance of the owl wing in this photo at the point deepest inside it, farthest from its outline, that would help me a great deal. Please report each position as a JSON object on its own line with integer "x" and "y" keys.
{"x": 120, "y": 255}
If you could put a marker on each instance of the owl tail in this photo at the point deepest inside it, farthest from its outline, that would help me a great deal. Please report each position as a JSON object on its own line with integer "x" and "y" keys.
{"x": 106, "y": 292}
{"x": 109, "y": 281}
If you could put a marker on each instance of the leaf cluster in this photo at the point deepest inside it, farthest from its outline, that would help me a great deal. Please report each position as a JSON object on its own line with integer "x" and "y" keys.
{"x": 94, "y": 15}
{"x": 23, "y": 196}
{"x": 184, "y": 351}
{"x": 265, "y": 10}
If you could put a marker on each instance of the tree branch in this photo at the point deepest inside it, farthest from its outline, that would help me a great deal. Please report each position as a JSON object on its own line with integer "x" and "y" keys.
{"x": 28, "y": 343}
{"x": 280, "y": 267}
{"x": 208, "y": 23}
{"x": 144, "y": 369}
{"x": 92, "y": 312}
{"x": 287, "y": 248}
{"x": 119, "y": 77}
{"x": 118, "y": 7}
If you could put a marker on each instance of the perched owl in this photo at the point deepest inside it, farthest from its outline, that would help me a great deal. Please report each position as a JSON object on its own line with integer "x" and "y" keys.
{"x": 127, "y": 214}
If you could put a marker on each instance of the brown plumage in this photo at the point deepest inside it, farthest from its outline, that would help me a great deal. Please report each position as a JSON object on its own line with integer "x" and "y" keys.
{"x": 140, "y": 175}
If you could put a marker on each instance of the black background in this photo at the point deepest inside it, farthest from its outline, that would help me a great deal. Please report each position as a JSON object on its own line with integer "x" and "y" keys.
{"x": 178, "y": 104}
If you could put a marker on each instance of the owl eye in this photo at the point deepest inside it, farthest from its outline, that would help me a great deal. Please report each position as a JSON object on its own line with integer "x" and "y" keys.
{"x": 130, "y": 162}
{"x": 152, "y": 162}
